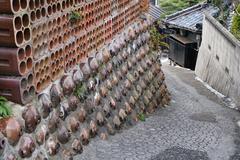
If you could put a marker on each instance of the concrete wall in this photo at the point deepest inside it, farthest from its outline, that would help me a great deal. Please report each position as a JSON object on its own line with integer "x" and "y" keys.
{"x": 218, "y": 61}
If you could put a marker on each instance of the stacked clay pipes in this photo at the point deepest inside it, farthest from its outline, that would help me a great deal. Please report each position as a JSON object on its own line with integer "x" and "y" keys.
{"x": 144, "y": 5}
{"x": 16, "y": 60}
{"x": 105, "y": 93}
{"x": 40, "y": 40}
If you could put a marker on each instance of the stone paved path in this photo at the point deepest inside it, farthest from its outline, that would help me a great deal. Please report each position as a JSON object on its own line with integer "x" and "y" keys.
{"x": 196, "y": 126}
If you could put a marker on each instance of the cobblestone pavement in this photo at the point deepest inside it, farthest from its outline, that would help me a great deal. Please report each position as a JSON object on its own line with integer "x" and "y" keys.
{"x": 197, "y": 125}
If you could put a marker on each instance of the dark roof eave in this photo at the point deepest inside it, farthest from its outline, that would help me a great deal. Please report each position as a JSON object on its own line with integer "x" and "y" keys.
{"x": 181, "y": 27}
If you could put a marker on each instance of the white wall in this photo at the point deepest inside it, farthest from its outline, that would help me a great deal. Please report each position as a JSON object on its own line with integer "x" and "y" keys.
{"x": 218, "y": 61}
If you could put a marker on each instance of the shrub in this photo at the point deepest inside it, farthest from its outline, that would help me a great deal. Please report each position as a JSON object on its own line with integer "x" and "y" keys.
{"x": 157, "y": 40}
{"x": 236, "y": 23}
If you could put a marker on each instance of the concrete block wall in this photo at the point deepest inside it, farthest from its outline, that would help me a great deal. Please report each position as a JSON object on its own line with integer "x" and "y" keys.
{"x": 218, "y": 61}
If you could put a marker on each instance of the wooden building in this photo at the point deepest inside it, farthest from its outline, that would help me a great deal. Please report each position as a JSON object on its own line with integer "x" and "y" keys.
{"x": 186, "y": 40}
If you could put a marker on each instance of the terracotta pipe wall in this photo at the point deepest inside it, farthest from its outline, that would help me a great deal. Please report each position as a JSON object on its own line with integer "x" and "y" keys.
{"x": 57, "y": 64}
{"x": 47, "y": 36}
{"x": 42, "y": 73}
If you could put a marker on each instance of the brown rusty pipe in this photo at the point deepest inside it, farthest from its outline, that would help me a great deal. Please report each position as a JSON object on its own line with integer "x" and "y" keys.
{"x": 11, "y": 61}
{"x": 7, "y": 30}
{"x": 13, "y": 89}
{"x": 11, "y": 34}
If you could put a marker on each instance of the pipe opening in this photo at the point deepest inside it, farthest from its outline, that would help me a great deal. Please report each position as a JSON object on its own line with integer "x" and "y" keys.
{"x": 67, "y": 3}
{"x": 42, "y": 2}
{"x": 43, "y": 11}
{"x": 49, "y": 10}
{"x": 52, "y": 56}
{"x": 56, "y": 54}
{"x": 25, "y": 95}
{"x": 37, "y": 75}
{"x": 53, "y": 74}
{"x": 31, "y": 4}
{"x": 39, "y": 86}
{"x": 19, "y": 37}
{"x": 42, "y": 73}
{"x": 29, "y": 63}
{"x": 37, "y": 3}
{"x": 27, "y": 34}
{"x": 18, "y": 23}
{"x": 51, "y": 44}
{"x": 25, "y": 20}
{"x": 58, "y": 7}
{"x": 60, "y": 40}
{"x": 46, "y": 61}
{"x": 23, "y": 67}
{"x": 74, "y": 62}
{"x": 44, "y": 27}
{"x": 21, "y": 54}
{"x": 2, "y": 143}
{"x": 43, "y": 83}
{"x": 36, "y": 66}
{"x": 23, "y": 83}
{"x": 54, "y": 23}
{"x": 63, "y": 5}
{"x": 47, "y": 70}
{"x": 58, "y": 21}
{"x": 38, "y": 14}
{"x": 71, "y": 2}
{"x": 54, "y": 8}
{"x": 31, "y": 91}
{"x": 50, "y": 25}
{"x": 33, "y": 16}
{"x": 15, "y": 5}
{"x": 41, "y": 64}
{"x": 78, "y": 58}
{"x": 28, "y": 50}
{"x": 48, "y": 1}
{"x": 48, "y": 79}
{"x": 30, "y": 79}
{"x": 23, "y": 4}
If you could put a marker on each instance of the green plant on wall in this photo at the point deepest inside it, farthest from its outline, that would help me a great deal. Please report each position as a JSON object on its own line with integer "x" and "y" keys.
{"x": 75, "y": 16}
{"x": 236, "y": 23}
{"x": 141, "y": 117}
{"x": 5, "y": 110}
{"x": 156, "y": 40}
{"x": 80, "y": 91}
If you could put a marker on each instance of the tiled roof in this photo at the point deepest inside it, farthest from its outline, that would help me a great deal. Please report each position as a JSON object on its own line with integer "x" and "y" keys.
{"x": 188, "y": 18}
{"x": 155, "y": 12}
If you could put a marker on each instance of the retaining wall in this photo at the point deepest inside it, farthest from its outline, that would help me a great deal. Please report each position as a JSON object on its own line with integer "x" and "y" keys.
{"x": 110, "y": 91}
